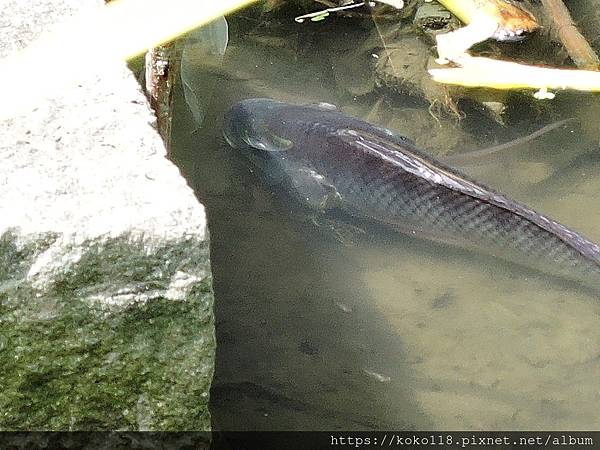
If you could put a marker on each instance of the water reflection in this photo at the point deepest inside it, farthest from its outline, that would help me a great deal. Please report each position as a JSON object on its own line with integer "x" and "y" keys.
{"x": 322, "y": 327}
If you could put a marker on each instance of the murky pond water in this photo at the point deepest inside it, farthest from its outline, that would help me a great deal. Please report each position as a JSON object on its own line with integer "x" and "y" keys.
{"x": 322, "y": 326}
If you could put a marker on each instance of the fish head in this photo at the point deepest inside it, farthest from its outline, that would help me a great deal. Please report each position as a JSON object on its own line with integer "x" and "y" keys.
{"x": 255, "y": 125}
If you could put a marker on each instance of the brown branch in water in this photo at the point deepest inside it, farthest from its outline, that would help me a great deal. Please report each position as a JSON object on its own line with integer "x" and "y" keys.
{"x": 162, "y": 71}
{"x": 577, "y": 47}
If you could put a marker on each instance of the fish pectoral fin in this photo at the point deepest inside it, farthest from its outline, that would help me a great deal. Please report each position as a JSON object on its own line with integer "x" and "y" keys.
{"x": 315, "y": 190}
{"x": 344, "y": 233}
{"x": 332, "y": 198}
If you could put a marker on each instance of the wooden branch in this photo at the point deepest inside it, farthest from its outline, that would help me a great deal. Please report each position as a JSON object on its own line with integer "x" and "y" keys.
{"x": 162, "y": 69}
{"x": 513, "y": 22}
{"x": 486, "y": 72}
{"x": 577, "y": 47}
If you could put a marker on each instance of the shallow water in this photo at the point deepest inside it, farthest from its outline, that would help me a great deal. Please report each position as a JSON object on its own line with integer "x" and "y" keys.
{"x": 321, "y": 326}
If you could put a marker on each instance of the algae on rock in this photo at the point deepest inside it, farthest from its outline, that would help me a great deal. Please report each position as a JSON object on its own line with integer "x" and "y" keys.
{"x": 71, "y": 362}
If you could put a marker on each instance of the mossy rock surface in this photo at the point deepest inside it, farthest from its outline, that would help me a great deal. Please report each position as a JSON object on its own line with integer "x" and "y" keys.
{"x": 105, "y": 283}
{"x": 74, "y": 361}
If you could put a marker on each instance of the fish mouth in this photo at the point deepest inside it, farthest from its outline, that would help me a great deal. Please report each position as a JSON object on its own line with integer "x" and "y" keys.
{"x": 234, "y": 122}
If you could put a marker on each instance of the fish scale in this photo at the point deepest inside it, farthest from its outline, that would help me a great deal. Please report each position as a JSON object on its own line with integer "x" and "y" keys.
{"x": 380, "y": 176}
{"x": 488, "y": 227}
{"x": 438, "y": 209}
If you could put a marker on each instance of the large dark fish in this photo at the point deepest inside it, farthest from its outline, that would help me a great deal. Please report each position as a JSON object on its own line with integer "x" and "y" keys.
{"x": 330, "y": 160}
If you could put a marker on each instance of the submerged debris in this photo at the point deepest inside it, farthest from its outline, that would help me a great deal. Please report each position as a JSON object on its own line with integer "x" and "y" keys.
{"x": 350, "y": 8}
{"x": 401, "y": 68}
{"x": 432, "y": 18}
{"x": 378, "y": 376}
{"x": 320, "y": 15}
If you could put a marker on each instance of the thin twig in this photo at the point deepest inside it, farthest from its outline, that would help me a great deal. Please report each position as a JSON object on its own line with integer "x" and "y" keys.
{"x": 476, "y": 156}
{"x": 325, "y": 12}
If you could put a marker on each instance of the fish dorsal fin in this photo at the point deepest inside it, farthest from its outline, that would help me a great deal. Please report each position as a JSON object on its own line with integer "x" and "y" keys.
{"x": 409, "y": 159}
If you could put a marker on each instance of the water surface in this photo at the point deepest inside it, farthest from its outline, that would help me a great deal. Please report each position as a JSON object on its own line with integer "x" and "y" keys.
{"x": 321, "y": 326}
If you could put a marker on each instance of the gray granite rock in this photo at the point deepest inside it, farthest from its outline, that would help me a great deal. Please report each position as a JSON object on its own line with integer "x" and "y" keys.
{"x": 105, "y": 286}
